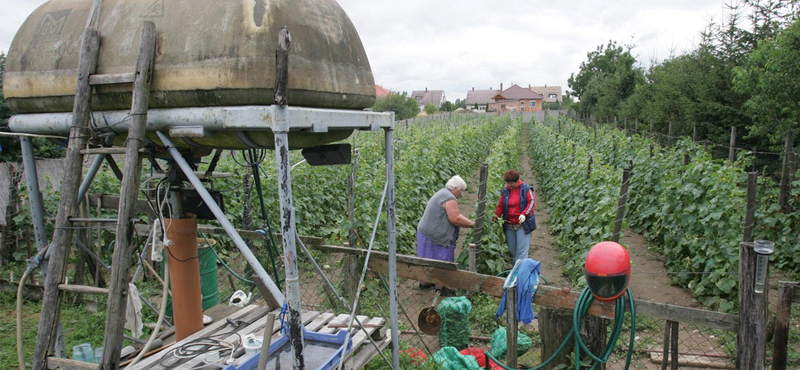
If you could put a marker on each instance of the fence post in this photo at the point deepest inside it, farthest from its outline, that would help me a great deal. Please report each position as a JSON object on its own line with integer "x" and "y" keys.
{"x": 694, "y": 133}
{"x": 511, "y": 326}
{"x": 623, "y": 199}
{"x": 732, "y": 149}
{"x": 686, "y": 159}
{"x": 786, "y": 185}
{"x": 669, "y": 136}
{"x": 674, "y": 348}
{"x": 481, "y": 210}
{"x": 750, "y": 211}
{"x": 786, "y": 291}
{"x": 351, "y": 260}
{"x": 752, "y": 334}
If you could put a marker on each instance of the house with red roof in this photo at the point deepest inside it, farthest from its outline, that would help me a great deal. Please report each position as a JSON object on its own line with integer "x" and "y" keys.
{"x": 516, "y": 99}
{"x": 382, "y": 92}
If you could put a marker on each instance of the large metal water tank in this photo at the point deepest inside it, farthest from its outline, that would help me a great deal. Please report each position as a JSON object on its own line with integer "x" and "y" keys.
{"x": 208, "y": 53}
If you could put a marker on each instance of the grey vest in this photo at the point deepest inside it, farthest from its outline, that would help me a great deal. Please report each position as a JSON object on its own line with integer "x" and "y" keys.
{"x": 434, "y": 223}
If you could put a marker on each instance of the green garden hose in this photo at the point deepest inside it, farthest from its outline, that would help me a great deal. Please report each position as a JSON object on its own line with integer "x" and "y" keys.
{"x": 581, "y": 307}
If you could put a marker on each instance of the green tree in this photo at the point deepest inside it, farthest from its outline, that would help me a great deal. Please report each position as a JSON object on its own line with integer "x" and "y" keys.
{"x": 447, "y": 107}
{"x": 769, "y": 76}
{"x": 430, "y": 109}
{"x": 403, "y": 106}
{"x": 461, "y": 103}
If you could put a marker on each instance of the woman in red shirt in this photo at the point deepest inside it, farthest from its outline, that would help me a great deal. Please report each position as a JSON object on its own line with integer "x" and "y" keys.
{"x": 517, "y": 202}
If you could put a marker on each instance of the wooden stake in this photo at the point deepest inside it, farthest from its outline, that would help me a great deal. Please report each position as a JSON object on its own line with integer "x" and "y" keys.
{"x": 68, "y": 203}
{"x": 752, "y": 333}
{"x": 623, "y": 199}
{"x": 786, "y": 291}
{"x": 750, "y": 210}
{"x": 118, "y": 287}
{"x": 786, "y": 185}
{"x": 481, "y": 210}
{"x": 732, "y": 148}
{"x": 511, "y": 327}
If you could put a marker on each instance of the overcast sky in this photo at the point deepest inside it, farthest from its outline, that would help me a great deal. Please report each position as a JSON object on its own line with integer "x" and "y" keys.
{"x": 460, "y": 44}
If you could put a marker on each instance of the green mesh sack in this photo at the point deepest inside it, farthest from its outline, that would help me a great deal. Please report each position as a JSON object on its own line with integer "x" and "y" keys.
{"x": 455, "y": 330}
{"x": 500, "y": 340}
{"x": 450, "y": 359}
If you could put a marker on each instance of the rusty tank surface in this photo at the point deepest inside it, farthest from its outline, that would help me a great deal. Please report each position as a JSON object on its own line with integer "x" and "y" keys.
{"x": 208, "y": 53}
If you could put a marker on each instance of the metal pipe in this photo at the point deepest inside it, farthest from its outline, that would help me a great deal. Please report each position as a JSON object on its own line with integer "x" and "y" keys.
{"x": 87, "y": 180}
{"x": 223, "y": 220}
{"x": 391, "y": 219}
{"x": 289, "y": 233}
{"x": 37, "y": 216}
{"x": 230, "y": 118}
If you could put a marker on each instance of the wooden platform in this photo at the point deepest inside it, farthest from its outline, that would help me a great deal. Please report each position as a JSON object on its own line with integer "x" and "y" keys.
{"x": 252, "y": 319}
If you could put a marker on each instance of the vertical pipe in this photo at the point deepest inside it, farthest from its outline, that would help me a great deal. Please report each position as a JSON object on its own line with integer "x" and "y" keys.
{"x": 37, "y": 216}
{"x": 184, "y": 265}
{"x": 392, "y": 236}
{"x": 289, "y": 248}
{"x": 222, "y": 219}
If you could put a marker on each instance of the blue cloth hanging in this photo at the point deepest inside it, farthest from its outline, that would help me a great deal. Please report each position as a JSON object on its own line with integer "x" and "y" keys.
{"x": 526, "y": 274}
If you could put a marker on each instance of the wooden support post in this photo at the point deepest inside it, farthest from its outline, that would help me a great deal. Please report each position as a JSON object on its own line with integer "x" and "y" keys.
{"x": 511, "y": 327}
{"x": 752, "y": 333}
{"x": 68, "y": 203}
{"x": 750, "y": 210}
{"x": 481, "y": 210}
{"x": 351, "y": 261}
{"x": 589, "y": 169}
{"x": 674, "y": 344}
{"x": 9, "y": 231}
{"x": 665, "y": 352}
{"x": 694, "y": 133}
{"x": 686, "y": 159}
{"x": 473, "y": 261}
{"x": 732, "y": 147}
{"x": 118, "y": 286}
{"x": 786, "y": 184}
{"x": 669, "y": 136}
{"x": 651, "y": 150}
{"x": 623, "y": 199}
{"x": 786, "y": 292}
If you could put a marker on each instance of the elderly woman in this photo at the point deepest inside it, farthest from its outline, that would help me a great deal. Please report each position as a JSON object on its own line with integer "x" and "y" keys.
{"x": 438, "y": 229}
{"x": 517, "y": 202}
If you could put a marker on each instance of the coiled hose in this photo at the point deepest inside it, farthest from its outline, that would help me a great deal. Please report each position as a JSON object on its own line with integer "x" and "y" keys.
{"x": 581, "y": 307}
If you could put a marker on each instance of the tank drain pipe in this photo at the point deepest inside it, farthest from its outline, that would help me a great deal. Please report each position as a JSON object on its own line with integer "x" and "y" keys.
{"x": 223, "y": 220}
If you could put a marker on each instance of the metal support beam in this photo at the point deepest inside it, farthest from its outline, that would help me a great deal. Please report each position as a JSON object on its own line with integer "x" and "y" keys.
{"x": 223, "y": 220}
{"x": 289, "y": 232}
{"x": 37, "y": 216}
{"x": 391, "y": 219}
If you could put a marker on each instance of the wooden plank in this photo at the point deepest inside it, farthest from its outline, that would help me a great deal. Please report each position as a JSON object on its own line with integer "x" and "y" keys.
{"x": 256, "y": 328}
{"x": 360, "y": 337}
{"x": 82, "y": 289}
{"x": 694, "y": 361}
{"x": 363, "y": 357}
{"x": 112, "y": 202}
{"x": 68, "y": 203}
{"x": 327, "y": 329}
{"x": 67, "y": 364}
{"x": 555, "y": 297}
{"x": 147, "y": 362}
{"x": 385, "y": 256}
{"x": 111, "y": 79}
{"x": 780, "y": 349}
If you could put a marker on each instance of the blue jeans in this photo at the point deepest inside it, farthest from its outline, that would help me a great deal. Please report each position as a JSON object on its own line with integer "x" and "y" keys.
{"x": 519, "y": 244}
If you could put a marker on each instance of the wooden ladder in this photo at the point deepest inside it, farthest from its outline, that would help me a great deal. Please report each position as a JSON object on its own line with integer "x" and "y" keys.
{"x": 69, "y": 203}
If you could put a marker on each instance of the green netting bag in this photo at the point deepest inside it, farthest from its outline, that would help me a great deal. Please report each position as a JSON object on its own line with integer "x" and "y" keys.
{"x": 451, "y": 359}
{"x": 499, "y": 343}
{"x": 455, "y": 330}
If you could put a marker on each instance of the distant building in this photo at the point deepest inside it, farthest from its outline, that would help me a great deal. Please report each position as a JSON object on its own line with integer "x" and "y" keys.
{"x": 516, "y": 99}
{"x": 481, "y": 98}
{"x": 382, "y": 92}
{"x": 435, "y": 97}
{"x": 551, "y": 93}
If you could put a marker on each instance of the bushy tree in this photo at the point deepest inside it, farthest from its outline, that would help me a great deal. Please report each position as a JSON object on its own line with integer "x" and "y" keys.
{"x": 430, "y": 109}
{"x": 461, "y": 103}
{"x": 447, "y": 107}
{"x": 403, "y": 106}
{"x": 770, "y": 76}
{"x": 605, "y": 80}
